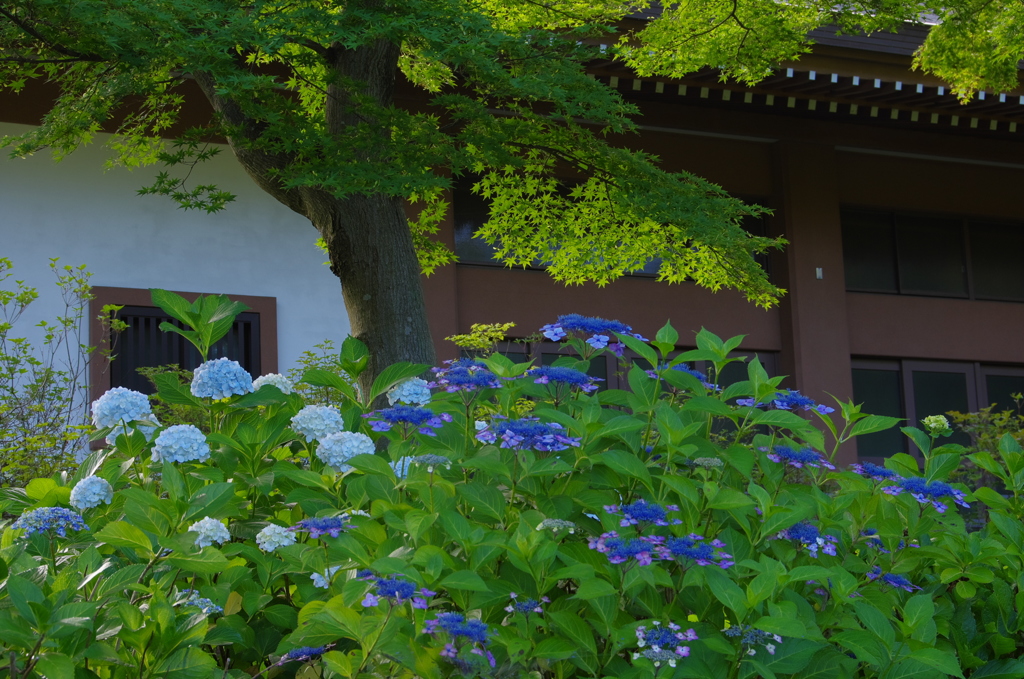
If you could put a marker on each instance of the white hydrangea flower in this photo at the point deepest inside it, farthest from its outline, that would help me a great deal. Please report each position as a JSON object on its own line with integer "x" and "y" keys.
{"x": 220, "y": 378}
{"x": 316, "y": 422}
{"x": 274, "y": 536}
{"x": 209, "y": 531}
{"x": 323, "y": 580}
{"x": 181, "y": 443}
{"x": 90, "y": 492}
{"x": 413, "y": 391}
{"x": 338, "y": 448}
{"x": 276, "y": 379}
{"x": 119, "y": 405}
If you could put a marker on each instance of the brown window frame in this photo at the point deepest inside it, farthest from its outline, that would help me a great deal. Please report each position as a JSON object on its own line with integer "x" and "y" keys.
{"x": 99, "y": 337}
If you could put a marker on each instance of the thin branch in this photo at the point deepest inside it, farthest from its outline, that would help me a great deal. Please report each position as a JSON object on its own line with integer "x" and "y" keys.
{"x": 66, "y": 60}
{"x": 66, "y": 51}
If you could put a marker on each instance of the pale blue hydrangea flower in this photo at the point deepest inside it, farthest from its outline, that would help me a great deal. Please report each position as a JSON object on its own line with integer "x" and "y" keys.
{"x": 276, "y": 379}
{"x": 181, "y": 443}
{"x": 119, "y": 405}
{"x": 316, "y": 422}
{"x": 338, "y": 448}
{"x": 323, "y": 580}
{"x": 209, "y": 531}
{"x": 90, "y": 492}
{"x": 401, "y": 467}
{"x": 274, "y": 536}
{"x": 43, "y": 519}
{"x": 146, "y": 429}
{"x": 221, "y": 378}
{"x": 194, "y": 599}
{"x": 413, "y": 391}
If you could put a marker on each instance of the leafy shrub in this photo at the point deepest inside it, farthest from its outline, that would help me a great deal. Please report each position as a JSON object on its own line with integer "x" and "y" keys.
{"x": 42, "y": 388}
{"x": 604, "y": 535}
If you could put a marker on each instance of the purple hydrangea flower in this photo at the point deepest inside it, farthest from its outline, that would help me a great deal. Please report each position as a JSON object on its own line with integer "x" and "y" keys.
{"x": 322, "y": 525}
{"x": 807, "y": 534}
{"x": 788, "y": 399}
{"x": 927, "y": 493}
{"x": 873, "y": 471}
{"x": 424, "y": 420}
{"x": 658, "y": 638}
{"x": 547, "y": 374}
{"x": 527, "y": 433}
{"x": 642, "y": 511}
{"x": 892, "y": 580}
{"x": 598, "y": 331}
{"x": 693, "y": 547}
{"x": 465, "y": 374}
{"x": 393, "y": 588}
{"x": 304, "y": 653}
{"x": 799, "y": 458}
{"x": 457, "y": 626}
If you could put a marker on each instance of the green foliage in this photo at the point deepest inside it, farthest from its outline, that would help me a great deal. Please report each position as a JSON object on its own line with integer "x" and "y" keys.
{"x": 173, "y": 413}
{"x": 323, "y": 357}
{"x": 42, "y": 422}
{"x": 567, "y": 546}
{"x": 210, "y": 317}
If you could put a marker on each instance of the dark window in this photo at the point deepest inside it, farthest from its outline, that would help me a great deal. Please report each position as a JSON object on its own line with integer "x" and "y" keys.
{"x": 997, "y": 260}
{"x": 143, "y": 344}
{"x": 869, "y": 252}
{"x": 914, "y": 390}
{"x": 927, "y": 255}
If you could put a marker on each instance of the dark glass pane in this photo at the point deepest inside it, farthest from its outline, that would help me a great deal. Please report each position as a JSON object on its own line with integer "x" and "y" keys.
{"x": 470, "y": 210}
{"x": 931, "y": 256}
{"x": 869, "y": 257}
{"x": 144, "y": 345}
{"x": 999, "y": 388}
{"x": 598, "y": 367}
{"x": 997, "y": 260}
{"x": 732, "y": 373}
{"x": 937, "y": 393}
{"x": 880, "y": 393}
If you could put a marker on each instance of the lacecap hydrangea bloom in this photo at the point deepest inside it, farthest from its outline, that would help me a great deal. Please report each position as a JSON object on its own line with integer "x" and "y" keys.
{"x": 338, "y": 448}
{"x": 57, "y": 519}
{"x": 208, "y": 531}
{"x": 221, "y": 378}
{"x": 413, "y": 391}
{"x": 181, "y": 443}
{"x": 274, "y": 536}
{"x": 274, "y": 379}
{"x": 90, "y": 492}
{"x": 527, "y": 433}
{"x": 789, "y": 399}
{"x": 424, "y": 420}
{"x": 598, "y": 331}
{"x": 316, "y": 422}
{"x": 798, "y": 458}
{"x": 464, "y": 374}
{"x": 549, "y": 374}
{"x": 808, "y": 535}
{"x": 194, "y": 599}
{"x": 322, "y": 525}
{"x": 120, "y": 405}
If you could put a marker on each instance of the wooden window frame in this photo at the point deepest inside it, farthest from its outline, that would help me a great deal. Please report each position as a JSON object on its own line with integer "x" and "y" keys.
{"x": 99, "y": 337}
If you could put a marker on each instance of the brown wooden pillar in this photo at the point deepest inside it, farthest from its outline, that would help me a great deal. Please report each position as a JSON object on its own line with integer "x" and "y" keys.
{"x": 815, "y": 336}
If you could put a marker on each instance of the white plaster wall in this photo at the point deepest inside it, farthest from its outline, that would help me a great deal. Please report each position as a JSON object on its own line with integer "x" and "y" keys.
{"x": 77, "y": 211}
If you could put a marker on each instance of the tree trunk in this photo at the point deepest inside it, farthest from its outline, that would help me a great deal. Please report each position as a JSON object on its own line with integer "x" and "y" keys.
{"x": 371, "y": 252}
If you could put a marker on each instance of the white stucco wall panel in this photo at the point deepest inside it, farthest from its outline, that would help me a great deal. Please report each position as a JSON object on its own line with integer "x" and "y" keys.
{"x": 83, "y": 214}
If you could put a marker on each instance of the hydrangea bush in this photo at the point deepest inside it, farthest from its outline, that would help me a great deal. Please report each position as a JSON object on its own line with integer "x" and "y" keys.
{"x": 660, "y": 531}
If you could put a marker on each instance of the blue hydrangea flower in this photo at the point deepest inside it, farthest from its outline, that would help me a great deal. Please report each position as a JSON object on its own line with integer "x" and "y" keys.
{"x": 693, "y": 547}
{"x": 660, "y": 639}
{"x": 598, "y": 331}
{"x": 322, "y": 525}
{"x": 464, "y": 374}
{"x": 303, "y": 653}
{"x": 316, "y": 422}
{"x": 807, "y": 534}
{"x": 432, "y": 461}
{"x": 424, "y": 420}
{"x": 119, "y": 406}
{"x": 338, "y": 448}
{"x": 926, "y": 493}
{"x": 751, "y": 637}
{"x": 273, "y": 536}
{"x": 526, "y": 606}
{"x": 206, "y": 605}
{"x": 642, "y": 511}
{"x": 789, "y": 399}
{"x": 57, "y": 519}
{"x": 873, "y": 471}
{"x": 799, "y": 458}
{"x": 620, "y": 550}
{"x": 90, "y": 492}
{"x": 401, "y": 467}
{"x": 393, "y": 588}
{"x": 323, "y": 580}
{"x": 456, "y": 626}
{"x": 181, "y": 443}
{"x": 274, "y": 379}
{"x": 892, "y": 580}
{"x": 221, "y": 378}
{"x": 413, "y": 391}
{"x": 547, "y": 374}
{"x": 527, "y": 433}
{"x": 208, "y": 531}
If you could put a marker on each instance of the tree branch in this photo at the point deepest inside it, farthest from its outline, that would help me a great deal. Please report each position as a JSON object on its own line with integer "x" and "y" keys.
{"x": 59, "y": 49}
